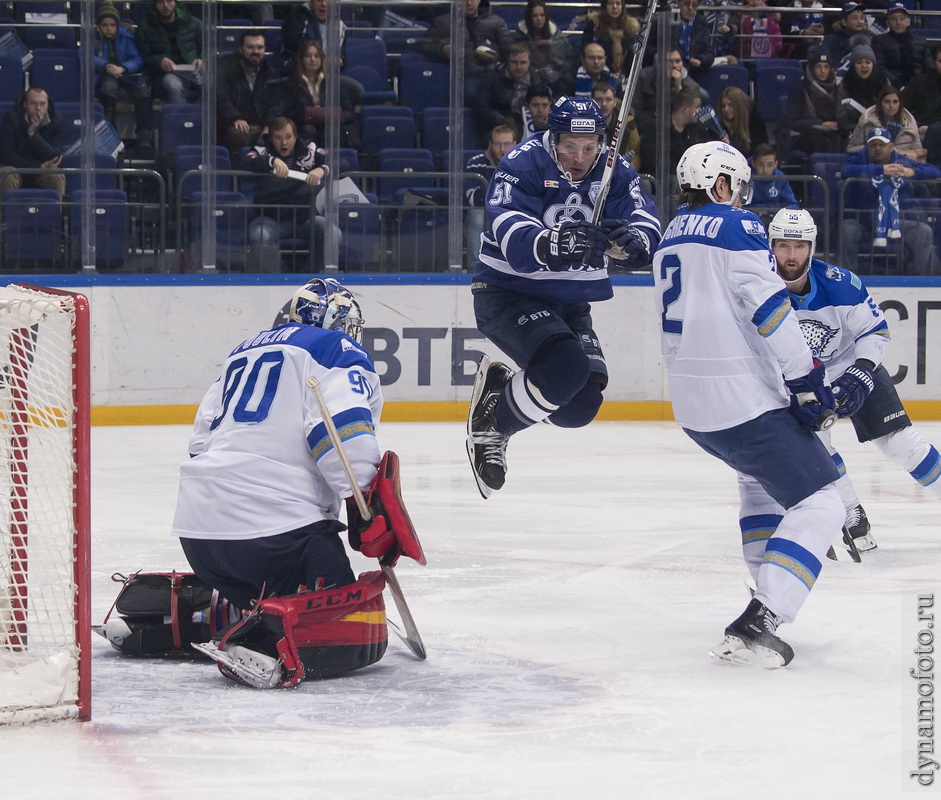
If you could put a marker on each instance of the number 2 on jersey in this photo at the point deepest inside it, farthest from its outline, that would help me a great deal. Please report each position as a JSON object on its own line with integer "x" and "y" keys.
{"x": 249, "y": 407}
{"x": 670, "y": 270}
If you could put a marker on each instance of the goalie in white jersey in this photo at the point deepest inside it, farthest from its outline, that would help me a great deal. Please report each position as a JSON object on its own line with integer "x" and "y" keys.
{"x": 746, "y": 388}
{"x": 848, "y": 332}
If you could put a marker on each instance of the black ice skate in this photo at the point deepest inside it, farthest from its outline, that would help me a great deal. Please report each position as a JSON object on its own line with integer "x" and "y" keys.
{"x": 856, "y": 528}
{"x": 751, "y": 640}
{"x": 486, "y": 446}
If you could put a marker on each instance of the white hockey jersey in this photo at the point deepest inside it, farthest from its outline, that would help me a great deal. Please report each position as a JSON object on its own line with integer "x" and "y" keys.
{"x": 261, "y": 462}
{"x": 728, "y": 335}
{"x": 839, "y": 319}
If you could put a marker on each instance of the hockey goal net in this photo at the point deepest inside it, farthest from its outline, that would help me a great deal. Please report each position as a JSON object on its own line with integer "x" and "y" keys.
{"x": 44, "y": 505}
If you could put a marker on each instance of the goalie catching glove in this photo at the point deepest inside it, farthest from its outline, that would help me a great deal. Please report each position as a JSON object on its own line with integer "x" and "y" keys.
{"x": 852, "y": 388}
{"x": 572, "y": 243}
{"x": 812, "y": 400}
{"x": 389, "y": 532}
{"x": 628, "y": 243}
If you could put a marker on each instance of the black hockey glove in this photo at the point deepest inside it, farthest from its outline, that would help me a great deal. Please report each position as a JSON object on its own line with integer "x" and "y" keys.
{"x": 570, "y": 243}
{"x": 628, "y": 243}
{"x": 812, "y": 402}
{"x": 851, "y": 389}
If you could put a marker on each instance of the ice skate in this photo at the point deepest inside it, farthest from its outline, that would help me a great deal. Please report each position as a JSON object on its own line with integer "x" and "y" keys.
{"x": 244, "y": 665}
{"x": 856, "y": 528}
{"x": 751, "y": 640}
{"x": 486, "y": 446}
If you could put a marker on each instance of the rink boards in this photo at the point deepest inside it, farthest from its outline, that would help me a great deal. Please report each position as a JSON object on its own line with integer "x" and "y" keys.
{"x": 158, "y": 341}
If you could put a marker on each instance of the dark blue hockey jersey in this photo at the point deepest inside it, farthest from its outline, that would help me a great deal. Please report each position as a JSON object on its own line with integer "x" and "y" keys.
{"x": 527, "y": 196}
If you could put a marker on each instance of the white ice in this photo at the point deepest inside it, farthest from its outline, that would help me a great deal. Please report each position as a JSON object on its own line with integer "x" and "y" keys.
{"x": 568, "y": 621}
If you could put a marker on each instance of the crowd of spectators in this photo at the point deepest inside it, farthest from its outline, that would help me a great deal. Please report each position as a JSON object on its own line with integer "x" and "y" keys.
{"x": 864, "y": 69}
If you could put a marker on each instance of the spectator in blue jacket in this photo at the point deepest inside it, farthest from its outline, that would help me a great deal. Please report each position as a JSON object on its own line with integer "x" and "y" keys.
{"x": 874, "y": 206}
{"x": 768, "y": 196}
{"x": 118, "y": 67}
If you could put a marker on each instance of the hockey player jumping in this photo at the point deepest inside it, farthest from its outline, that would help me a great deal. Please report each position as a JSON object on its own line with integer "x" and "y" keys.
{"x": 746, "y": 388}
{"x": 542, "y": 262}
{"x": 847, "y": 331}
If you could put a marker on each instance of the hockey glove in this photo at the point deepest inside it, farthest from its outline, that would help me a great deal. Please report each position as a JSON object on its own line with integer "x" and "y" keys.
{"x": 628, "y": 243}
{"x": 851, "y": 390}
{"x": 373, "y": 538}
{"x": 812, "y": 402}
{"x": 570, "y": 243}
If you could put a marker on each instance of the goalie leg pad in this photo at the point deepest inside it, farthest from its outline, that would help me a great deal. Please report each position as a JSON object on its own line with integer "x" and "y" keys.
{"x": 160, "y": 614}
{"x": 306, "y": 636}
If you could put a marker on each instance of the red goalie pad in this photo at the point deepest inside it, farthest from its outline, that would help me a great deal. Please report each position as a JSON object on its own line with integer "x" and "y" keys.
{"x": 313, "y": 635}
{"x": 390, "y": 533}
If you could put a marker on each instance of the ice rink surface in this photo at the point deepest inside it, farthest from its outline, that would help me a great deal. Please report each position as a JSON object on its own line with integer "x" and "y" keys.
{"x": 567, "y": 620}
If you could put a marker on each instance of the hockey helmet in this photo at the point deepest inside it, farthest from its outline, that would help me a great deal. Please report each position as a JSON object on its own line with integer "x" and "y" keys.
{"x": 702, "y": 164}
{"x": 580, "y": 115}
{"x": 797, "y": 225}
{"x": 325, "y": 303}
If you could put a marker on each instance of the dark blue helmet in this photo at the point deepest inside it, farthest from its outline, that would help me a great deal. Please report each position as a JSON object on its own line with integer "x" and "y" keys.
{"x": 576, "y": 115}
{"x": 325, "y": 303}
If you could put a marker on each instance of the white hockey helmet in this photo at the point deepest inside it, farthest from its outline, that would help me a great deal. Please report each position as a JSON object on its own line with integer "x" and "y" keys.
{"x": 795, "y": 224}
{"x": 325, "y": 303}
{"x": 702, "y": 164}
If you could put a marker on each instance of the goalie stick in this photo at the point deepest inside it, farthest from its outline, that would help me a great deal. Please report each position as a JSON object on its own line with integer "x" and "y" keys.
{"x": 411, "y": 637}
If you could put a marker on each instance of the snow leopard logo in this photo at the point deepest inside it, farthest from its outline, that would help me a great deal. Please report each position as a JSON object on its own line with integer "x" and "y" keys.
{"x": 834, "y": 274}
{"x": 818, "y": 336}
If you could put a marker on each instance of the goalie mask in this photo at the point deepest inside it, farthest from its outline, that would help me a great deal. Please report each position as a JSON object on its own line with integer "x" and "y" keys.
{"x": 702, "y": 164}
{"x": 325, "y": 303}
{"x": 575, "y": 115}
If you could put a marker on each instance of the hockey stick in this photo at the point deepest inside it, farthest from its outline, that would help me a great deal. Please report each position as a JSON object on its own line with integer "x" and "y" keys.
{"x": 630, "y": 83}
{"x": 411, "y": 638}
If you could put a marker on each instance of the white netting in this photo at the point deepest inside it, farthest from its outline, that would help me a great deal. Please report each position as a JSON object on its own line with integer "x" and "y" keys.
{"x": 38, "y": 648}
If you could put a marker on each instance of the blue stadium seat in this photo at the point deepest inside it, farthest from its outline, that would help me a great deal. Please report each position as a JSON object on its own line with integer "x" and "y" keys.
{"x": 230, "y": 35}
{"x": 103, "y": 180}
{"x": 424, "y": 83}
{"x": 112, "y": 227}
{"x": 826, "y": 166}
{"x": 349, "y": 159}
{"x": 38, "y": 37}
{"x": 400, "y": 162}
{"x": 32, "y": 227}
{"x": 717, "y": 79}
{"x": 772, "y": 81}
{"x": 368, "y": 52}
{"x": 402, "y": 40}
{"x": 231, "y": 227}
{"x": 375, "y": 89}
{"x": 187, "y": 158}
{"x": 361, "y": 232}
{"x": 12, "y": 78}
{"x": 59, "y": 75}
{"x": 436, "y": 129}
{"x": 387, "y": 131}
{"x": 180, "y": 123}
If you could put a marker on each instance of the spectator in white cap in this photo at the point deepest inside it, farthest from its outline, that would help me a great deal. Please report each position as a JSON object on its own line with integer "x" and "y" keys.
{"x": 874, "y": 206}
{"x": 899, "y": 52}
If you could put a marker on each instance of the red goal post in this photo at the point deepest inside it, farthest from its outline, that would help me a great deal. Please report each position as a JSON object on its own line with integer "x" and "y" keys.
{"x": 45, "y": 598}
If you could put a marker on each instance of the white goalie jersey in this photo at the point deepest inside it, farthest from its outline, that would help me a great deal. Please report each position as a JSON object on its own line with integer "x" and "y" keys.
{"x": 261, "y": 462}
{"x": 728, "y": 335}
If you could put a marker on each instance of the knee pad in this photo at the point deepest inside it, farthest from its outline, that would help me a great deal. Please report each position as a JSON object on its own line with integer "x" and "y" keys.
{"x": 581, "y": 409}
{"x": 306, "y": 636}
{"x": 161, "y": 614}
{"x": 559, "y": 370}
